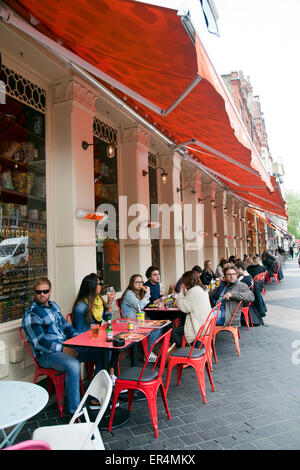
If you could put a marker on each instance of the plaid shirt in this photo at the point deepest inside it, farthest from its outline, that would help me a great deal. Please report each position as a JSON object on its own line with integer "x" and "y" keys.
{"x": 46, "y": 328}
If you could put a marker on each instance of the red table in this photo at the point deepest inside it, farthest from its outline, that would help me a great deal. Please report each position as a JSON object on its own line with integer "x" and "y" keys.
{"x": 172, "y": 313}
{"x": 85, "y": 340}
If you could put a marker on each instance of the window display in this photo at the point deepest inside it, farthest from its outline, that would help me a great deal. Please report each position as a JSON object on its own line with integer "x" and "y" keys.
{"x": 23, "y": 243}
{"x": 106, "y": 193}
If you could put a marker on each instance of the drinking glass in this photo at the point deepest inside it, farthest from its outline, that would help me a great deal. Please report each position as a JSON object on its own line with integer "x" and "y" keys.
{"x": 94, "y": 330}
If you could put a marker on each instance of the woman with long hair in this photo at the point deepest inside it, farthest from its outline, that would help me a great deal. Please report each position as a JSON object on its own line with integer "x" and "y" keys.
{"x": 89, "y": 307}
{"x": 193, "y": 300}
{"x": 207, "y": 274}
{"x": 136, "y": 296}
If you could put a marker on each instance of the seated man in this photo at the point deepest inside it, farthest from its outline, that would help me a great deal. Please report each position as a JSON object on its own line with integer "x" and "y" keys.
{"x": 46, "y": 330}
{"x": 198, "y": 272}
{"x": 230, "y": 293}
{"x": 153, "y": 276}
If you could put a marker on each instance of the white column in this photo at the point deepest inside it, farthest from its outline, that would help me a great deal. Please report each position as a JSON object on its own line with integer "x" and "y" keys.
{"x": 193, "y": 216}
{"x": 134, "y": 208}
{"x": 210, "y": 222}
{"x": 222, "y": 229}
{"x": 72, "y": 188}
{"x": 172, "y": 259}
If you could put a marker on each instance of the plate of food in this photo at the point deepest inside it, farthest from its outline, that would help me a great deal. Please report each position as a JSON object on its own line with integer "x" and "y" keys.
{"x": 154, "y": 323}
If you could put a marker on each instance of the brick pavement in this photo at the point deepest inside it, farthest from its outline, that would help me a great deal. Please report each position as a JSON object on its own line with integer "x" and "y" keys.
{"x": 256, "y": 404}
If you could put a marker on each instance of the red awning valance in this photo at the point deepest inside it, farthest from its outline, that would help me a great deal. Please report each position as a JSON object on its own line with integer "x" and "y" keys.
{"x": 145, "y": 53}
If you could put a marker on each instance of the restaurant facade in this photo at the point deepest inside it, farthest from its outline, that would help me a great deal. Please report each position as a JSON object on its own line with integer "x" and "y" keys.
{"x": 89, "y": 183}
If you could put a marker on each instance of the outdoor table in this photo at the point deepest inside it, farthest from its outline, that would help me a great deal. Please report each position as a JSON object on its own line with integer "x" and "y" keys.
{"x": 85, "y": 340}
{"x": 165, "y": 313}
{"x": 19, "y": 401}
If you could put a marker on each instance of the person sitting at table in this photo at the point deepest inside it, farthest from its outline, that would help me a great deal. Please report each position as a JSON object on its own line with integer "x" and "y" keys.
{"x": 135, "y": 297}
{"x": 46, "y": 330}
{"x": 242, "y": 273}
{"x": 256, "y": 267}
{"x": 193, "y": 300}
{"x": 89, "y": 307}
{"x": 270, "y": 262}
{"x": 222, "y": 264}
{"x": 230, "y": 293}
{"x": 153, "y": 276}
{"x": 208, "y": 275}
{"x": 198, "y": 272}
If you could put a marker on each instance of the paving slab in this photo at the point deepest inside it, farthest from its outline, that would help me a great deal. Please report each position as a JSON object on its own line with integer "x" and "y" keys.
{"x": 256, "y": 405}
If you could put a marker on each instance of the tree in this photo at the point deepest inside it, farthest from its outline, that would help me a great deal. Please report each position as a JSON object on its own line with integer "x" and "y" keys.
{"x": 293, "y": 203}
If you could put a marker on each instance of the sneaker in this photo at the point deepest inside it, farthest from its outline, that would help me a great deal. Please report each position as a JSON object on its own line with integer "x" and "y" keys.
{"x": 152, "y": 357}
{"x": 96, "y": 405}
{"x": 113, "y": 379}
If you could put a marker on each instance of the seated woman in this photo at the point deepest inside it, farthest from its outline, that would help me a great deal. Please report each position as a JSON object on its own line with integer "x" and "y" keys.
{"x": 207, "y": 274}
{"x": 222, "y": 264}
{"x": 256, "y": 267}
{"x": 193, "y": 300}
{"x": 135, "y": 297}
{"x": 88, "y": 308}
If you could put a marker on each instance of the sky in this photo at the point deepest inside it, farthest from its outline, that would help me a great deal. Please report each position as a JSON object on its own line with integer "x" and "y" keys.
{"x": 261, "y": 38}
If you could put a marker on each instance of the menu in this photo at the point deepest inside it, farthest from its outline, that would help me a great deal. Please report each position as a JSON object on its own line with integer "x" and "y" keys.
{"x": 130, "y": 336}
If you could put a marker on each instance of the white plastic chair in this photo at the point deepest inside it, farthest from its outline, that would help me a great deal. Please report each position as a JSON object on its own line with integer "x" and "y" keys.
{"x": 80, "y": 436}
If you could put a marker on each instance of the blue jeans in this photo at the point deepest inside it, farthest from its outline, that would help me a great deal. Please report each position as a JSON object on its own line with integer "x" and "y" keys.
{"x": 221, "y": 318}
{"x": 71, "y": 366}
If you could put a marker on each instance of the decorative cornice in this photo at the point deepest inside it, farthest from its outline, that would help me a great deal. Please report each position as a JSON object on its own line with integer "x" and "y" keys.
{"x": 75, "y": 90}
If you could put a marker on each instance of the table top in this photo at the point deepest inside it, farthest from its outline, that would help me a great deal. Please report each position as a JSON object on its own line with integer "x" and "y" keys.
{"x": 20, "y": 401}
{"x": 85, "y": 339}
{"x": 163, "y": 309}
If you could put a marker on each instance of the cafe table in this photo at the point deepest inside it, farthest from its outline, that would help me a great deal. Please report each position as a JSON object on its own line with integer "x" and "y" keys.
{"x": 85, "y": 340}
{"x": 19, "y": 401}
{"x": 165, "y": 313}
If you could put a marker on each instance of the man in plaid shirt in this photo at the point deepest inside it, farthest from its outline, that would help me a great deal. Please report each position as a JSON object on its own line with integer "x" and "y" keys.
{"x": 46, "y": 330}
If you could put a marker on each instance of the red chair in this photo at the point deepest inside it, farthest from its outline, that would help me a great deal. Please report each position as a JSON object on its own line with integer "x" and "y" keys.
{"x": 261, "y": 277}
{"x": 233, "y": 330}
{"x": 144, "y": 341}
{"x": 246, "y": 312}
{"x": 147, "y": 381}
{"x": 208, "y": 340}
{"x": 32, "y": 444}
{"x": 275, "y": 274}
{"x": 197, "y": 357}
{"x": 54, "y": 377}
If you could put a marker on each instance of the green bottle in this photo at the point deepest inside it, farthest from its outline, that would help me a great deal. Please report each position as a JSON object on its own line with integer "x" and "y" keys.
{"x": 109, "y": 330}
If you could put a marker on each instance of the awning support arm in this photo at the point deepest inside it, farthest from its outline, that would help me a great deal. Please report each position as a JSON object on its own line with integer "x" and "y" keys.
{"x": 61, "y": 52}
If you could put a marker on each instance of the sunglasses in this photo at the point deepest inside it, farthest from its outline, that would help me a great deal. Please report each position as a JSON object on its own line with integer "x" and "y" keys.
{"x": 45, "y": 291}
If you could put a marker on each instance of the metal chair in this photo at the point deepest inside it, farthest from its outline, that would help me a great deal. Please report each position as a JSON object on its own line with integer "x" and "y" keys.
{"x": 233, "y": 330}
{"x": 80, "y": 435}
{"x": 147, "y": 381}
{"x": 30, "y": 445}
{"x": 197, "y": 357}
{"x": 54, "y": 377}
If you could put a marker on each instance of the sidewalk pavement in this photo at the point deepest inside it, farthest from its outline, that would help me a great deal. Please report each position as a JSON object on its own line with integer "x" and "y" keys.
{"x": 256, "y": 404}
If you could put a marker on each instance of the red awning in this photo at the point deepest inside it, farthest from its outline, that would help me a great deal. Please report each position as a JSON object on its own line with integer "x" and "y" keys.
{"x": 145, "y": 53}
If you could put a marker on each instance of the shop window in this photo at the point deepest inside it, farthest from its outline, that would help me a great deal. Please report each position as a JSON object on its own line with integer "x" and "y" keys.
{"x": 155, "y": 248}
{"x": 23, "y": 243}
{"x": 106, "y": 199}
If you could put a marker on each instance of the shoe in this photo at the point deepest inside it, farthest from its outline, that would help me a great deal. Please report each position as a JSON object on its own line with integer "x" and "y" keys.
{"x": 152, "y": 357}
{"x": 113, "y": 378}
{"x": 97, "y": 405}
{"x": 94, "y": 405}
{"x": 124, "y": 391}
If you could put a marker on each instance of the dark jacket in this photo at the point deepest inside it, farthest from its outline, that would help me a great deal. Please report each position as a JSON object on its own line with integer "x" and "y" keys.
{"x": 239, "y": 291}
